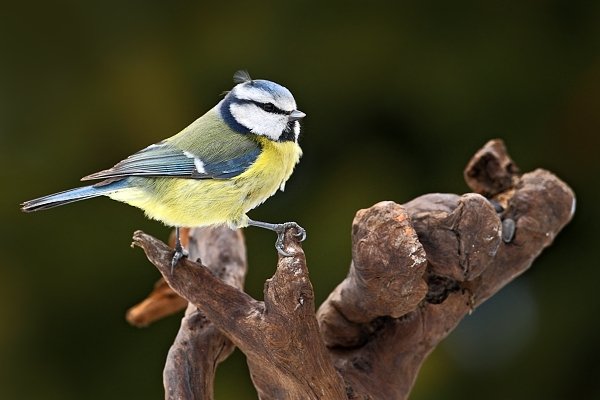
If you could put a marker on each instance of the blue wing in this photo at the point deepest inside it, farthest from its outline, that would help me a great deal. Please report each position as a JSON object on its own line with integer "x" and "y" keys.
{"x": 165, "y": 160}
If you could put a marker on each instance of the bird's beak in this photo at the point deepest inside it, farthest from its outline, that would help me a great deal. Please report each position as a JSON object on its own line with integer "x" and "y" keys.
{"x": 296, "y": 115}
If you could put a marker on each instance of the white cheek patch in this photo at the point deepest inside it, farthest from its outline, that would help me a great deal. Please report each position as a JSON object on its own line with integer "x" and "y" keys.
{"x": 198, "y": 163}
{"x": 259, "y": 121}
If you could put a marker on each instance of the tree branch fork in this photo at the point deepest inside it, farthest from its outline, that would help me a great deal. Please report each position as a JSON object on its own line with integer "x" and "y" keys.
{"x": 417, "y": 269}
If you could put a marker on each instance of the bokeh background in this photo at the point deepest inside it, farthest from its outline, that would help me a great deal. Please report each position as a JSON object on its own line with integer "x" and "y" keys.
{"x": 399, "y": 95}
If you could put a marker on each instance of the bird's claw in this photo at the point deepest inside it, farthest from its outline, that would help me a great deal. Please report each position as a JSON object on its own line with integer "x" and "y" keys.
{"x": 180, "y": 253}
{"x": 281, "y": 229}
{"x": 300, "y": 233}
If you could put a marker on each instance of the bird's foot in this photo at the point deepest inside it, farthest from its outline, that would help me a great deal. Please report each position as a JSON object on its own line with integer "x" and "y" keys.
{"x": 280, "y": 229}
{"x": 180, "y": 253}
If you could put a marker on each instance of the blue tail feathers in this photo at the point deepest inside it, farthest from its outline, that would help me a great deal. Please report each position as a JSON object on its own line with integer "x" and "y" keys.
{"x": 72, "y": 195}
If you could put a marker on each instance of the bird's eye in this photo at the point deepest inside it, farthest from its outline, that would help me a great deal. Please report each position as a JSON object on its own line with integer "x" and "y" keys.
{"x": 268, "y": 107}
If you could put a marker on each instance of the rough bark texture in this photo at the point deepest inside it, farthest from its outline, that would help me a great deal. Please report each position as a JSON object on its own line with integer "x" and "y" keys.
{"x": 162, "y": 301}
{"x": 416, "y": 271}
{"x": 200, "y": 345}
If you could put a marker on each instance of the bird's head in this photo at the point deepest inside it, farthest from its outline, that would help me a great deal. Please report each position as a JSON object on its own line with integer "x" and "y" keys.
{"x": 261, "y": 107}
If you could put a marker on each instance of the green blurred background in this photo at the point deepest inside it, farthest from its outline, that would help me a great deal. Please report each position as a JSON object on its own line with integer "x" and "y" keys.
{"x": 398, "y": 97}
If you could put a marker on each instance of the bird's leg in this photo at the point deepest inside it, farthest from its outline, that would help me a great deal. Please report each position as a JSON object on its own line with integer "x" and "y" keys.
{"x": 280, "y": 230}
{"x": 180, "y": 252}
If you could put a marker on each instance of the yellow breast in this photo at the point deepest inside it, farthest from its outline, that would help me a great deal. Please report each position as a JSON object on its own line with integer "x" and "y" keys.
{"x": 270, "y": 171}
{"x": 198, "y": 202}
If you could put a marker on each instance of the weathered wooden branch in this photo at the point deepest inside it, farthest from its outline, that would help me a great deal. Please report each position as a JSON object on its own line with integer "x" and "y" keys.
{"x": 163, "y": 301}
{"x": 293, "y": 366}
{"x": 416, "y": 271}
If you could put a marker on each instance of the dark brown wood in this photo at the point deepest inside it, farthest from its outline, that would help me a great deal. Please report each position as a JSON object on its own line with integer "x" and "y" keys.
{"x": 417, "y": 269}
{"x": 386, "y": 276}
{"x": 491, "y": 170}
{"x": 467, "y": 262}
{"x": 280, "y": 336}
{"x": 200, "y": 346}
{"x": 162, "y": 301}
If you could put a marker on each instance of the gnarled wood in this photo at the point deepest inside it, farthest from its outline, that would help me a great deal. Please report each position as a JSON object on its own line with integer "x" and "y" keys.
{"x": 416, "y": 271}
{"x": 162, "y": 301}
{"x": 280, "y": 336}
{"x": 200, "y": 346}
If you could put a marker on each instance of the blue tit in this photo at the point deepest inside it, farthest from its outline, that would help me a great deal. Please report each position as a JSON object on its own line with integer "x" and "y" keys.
{"x": 213, "y": 172}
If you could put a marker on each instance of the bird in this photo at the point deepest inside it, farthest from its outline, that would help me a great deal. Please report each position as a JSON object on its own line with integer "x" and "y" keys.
{"x": 224, "y": 164}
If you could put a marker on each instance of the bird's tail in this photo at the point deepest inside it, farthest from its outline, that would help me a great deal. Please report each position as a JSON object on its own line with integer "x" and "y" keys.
{"x": 72, "y": 195}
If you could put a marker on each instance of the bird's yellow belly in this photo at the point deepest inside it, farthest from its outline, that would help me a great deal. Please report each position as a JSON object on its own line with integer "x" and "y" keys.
{"x": 198, "y": 202}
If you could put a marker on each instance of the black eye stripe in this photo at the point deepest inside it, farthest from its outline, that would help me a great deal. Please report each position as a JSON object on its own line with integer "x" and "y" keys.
{"x": 270, "y": 107}
{"x": 273, "y": 110}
